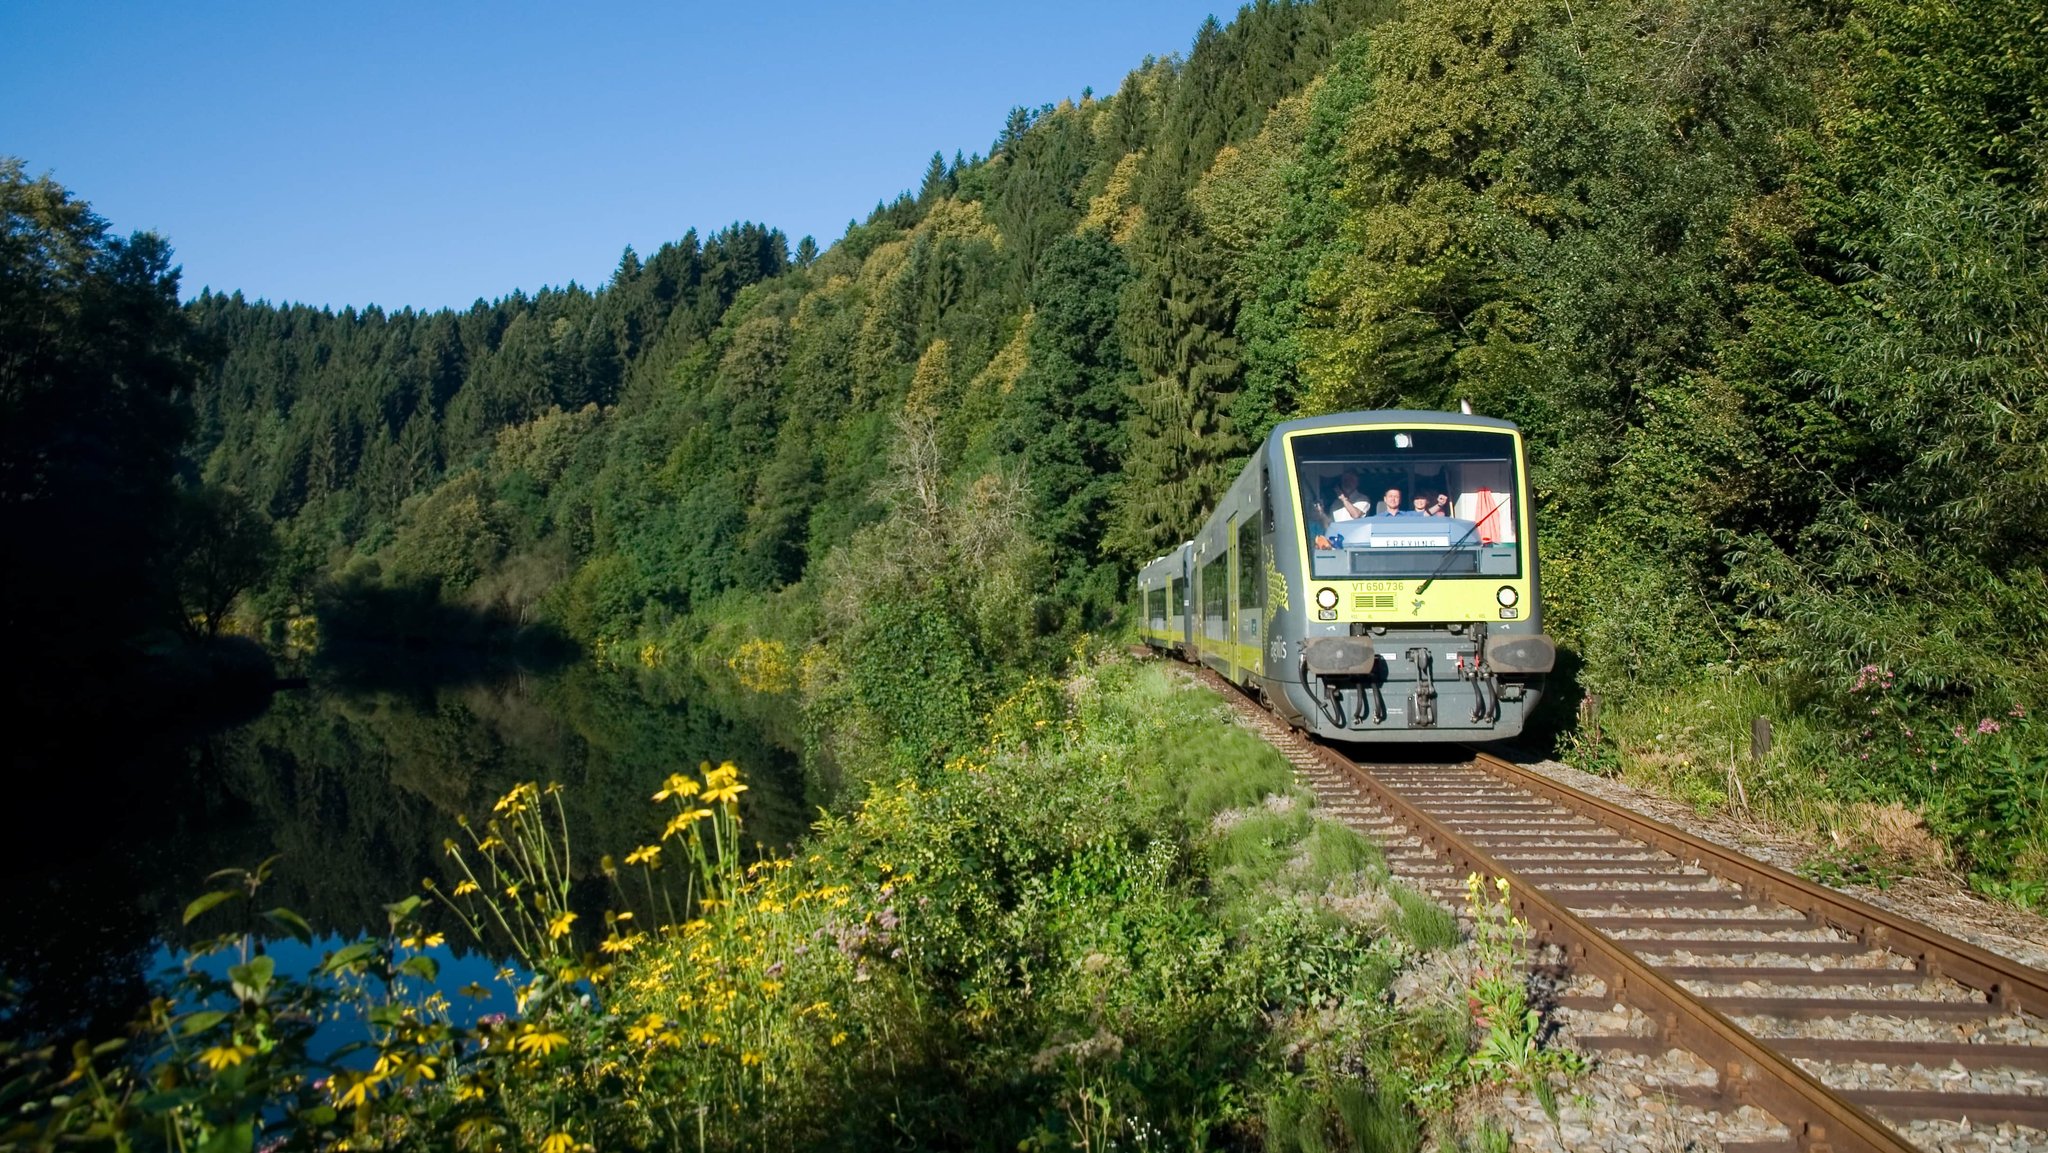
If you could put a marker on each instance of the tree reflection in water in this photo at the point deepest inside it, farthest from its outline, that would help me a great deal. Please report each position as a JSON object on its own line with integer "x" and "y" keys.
{"x": 354, "y": 788}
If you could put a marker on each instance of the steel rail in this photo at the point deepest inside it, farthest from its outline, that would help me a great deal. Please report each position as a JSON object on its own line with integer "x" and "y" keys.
{"x": 2009, "y": 984}
{"x": 1820, "y": 1120}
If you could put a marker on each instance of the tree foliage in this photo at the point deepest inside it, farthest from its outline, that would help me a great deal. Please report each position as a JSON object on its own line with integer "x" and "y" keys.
{"x": 96, "y": 362}
{"x": 1764, "y": 283}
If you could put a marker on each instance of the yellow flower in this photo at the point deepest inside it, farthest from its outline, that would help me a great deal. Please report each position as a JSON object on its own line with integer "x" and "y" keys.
{"x": 722, "y": 784}
{"x": 558, "y": 1143}
{"x": 559, "y": 927}
{"x": 618, "y": 944}
{"x": 465, "y": 888}
{"x": 750, "y": 1058}
{"x": 677, "y": 785}
{"x": 724, "y": 794}
{"x": 539, "y": 1044}
{"x": 645, "y": 855}
{"x": 352, "y": 1090}
{"x": 222, "y": 1056}
{"x": 649, "y": 1027}
{"x": 516, "y": 800}
{"x": 683, "y": 820}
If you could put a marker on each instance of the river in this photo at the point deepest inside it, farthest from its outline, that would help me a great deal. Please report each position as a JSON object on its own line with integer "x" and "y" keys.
{"x": 353, "y": 789}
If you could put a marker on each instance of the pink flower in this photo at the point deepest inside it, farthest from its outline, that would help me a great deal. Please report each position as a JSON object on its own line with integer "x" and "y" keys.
{"x": 1987, "y": 725}
{"x": 2017, "y": 712}
{"x": 1958, "y": 730}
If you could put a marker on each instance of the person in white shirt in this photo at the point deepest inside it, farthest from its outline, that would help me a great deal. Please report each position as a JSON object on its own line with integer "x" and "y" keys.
{"x": 1350, "y": 505}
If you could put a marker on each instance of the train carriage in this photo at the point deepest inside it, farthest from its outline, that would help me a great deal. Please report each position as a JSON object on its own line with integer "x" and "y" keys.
{"x": 1162, "y": 602}
{"x": 1371, "y": 576}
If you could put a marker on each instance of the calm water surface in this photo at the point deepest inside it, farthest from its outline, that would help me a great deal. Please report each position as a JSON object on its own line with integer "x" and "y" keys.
{"x": 354, "y": 790}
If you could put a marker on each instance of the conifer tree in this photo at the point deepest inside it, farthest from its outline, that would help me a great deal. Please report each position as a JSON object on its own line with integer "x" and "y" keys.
{"x": 1066, "y": 414}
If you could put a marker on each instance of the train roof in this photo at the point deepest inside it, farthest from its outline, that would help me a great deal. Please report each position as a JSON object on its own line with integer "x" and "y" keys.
{"x": 1390, "y": 416}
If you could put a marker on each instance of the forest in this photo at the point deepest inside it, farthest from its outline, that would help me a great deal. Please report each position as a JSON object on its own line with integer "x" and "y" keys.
{"x": 1765, "y": 281}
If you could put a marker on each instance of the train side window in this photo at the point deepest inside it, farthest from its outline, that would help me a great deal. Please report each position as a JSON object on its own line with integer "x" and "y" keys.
{"x": 1176, "y": 597}
{"x": 1266, "y": 504}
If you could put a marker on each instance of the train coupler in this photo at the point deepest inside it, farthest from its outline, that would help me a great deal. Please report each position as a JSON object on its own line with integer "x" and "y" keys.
{"x": 1422, "y": 702}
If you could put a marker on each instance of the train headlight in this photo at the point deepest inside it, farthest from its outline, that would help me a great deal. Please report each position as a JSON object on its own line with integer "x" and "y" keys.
{"x": 1507, "y": 596}
{"x": 1326, "y": 598}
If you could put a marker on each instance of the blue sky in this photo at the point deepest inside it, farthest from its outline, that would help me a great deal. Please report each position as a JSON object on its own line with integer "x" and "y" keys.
{"x": 429, "y": 154}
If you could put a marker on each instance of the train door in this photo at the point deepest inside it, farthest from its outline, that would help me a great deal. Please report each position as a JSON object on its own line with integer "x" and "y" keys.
{"x": 1248, "y": 631}
{"x": 1233, "y": 583}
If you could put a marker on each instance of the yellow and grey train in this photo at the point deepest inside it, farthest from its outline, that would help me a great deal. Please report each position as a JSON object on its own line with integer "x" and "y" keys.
{"x": 1371, "y": 577}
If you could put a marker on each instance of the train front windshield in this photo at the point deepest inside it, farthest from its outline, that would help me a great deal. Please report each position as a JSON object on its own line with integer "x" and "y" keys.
{"x": 1409, "y": 502}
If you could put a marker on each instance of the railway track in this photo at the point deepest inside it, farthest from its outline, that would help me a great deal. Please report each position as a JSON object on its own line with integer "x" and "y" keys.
{"x": 1783, "y": 1014}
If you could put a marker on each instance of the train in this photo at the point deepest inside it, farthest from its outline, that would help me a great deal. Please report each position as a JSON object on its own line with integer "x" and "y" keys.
{"x": 1370, "y": 577}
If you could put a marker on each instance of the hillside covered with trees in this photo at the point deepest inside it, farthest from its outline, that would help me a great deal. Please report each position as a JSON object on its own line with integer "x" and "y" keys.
{"x": 1765, "y": 282}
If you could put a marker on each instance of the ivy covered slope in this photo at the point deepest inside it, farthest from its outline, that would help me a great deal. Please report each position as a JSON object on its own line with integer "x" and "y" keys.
{"x": 1764, "y": 281}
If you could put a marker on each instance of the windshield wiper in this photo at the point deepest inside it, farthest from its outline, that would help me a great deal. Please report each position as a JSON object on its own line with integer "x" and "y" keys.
{"x": 1451, "y": 554}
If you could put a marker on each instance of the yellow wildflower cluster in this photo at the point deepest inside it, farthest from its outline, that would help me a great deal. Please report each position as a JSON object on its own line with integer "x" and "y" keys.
{"x": 402, "y": 1063}
{"x": 522, "y": 852}
{"x": 731, "y": 994}
{"x": 301, "y": 635}
{"x": 763, "y": 666}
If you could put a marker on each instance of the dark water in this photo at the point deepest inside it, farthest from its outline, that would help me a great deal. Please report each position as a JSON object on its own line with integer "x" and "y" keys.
{"x": 354, "y": 790}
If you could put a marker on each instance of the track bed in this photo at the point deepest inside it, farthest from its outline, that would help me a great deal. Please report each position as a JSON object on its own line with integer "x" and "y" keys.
{"x": 1768, "y": 1011}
